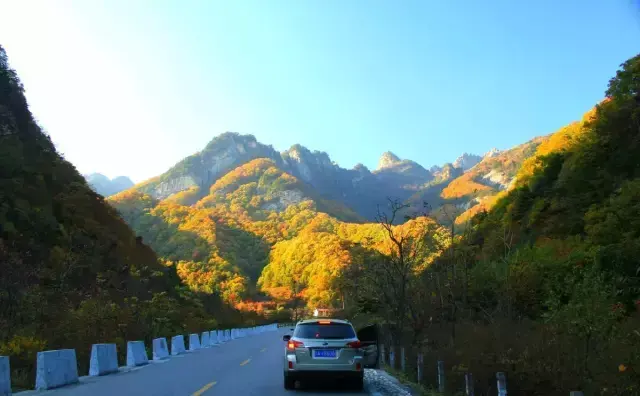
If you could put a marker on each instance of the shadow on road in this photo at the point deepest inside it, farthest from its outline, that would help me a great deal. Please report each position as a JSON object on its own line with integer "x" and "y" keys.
{"x": 326, "y": 386}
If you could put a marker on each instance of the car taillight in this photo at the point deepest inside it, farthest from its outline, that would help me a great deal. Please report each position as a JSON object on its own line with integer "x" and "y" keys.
{"x": 354, "y": 344}
{"x": 292, "y": 345}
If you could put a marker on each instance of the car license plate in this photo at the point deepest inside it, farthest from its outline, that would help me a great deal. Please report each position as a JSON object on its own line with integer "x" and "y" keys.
{"x": 324, "y": 353}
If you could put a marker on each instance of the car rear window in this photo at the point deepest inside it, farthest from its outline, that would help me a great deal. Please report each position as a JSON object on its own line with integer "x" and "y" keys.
{"x": 336, "y": 331}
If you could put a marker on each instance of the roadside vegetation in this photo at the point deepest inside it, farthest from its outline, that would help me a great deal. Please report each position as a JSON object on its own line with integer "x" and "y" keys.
{"x": 545, "y": 284}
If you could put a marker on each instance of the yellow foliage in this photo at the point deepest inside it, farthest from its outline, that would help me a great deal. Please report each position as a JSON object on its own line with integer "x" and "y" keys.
{"x": 463, "y": 186}
{"x": 23, "y": 346}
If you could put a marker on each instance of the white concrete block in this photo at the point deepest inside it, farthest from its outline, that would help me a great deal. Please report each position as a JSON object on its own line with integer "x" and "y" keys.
{"x": 213, "y": 337}
{"x": 136, "y": 354}
{"x": 160, "y": 348}
{"x": 177, "y": 345}
{"x": 104, "y": 359}
{"x": 194, "y": 342}
{"x": 56, "y": 368}
{"x": 205, "y": 340}
{"x": 5, "y": 376}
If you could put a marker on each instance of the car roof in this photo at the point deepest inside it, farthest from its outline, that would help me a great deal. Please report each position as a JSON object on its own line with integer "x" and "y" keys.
{"x": 305, "y": 321}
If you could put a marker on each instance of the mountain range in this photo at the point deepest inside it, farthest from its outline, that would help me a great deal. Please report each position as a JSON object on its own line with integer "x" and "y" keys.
{"x": 234, "y": 214}
{"x": 105, "y": 186}
{"x": 238, "y": 232}
{"x": 360, "y": 190}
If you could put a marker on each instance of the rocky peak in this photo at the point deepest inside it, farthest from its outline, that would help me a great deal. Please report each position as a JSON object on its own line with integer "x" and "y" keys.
{"x": 492, "y": 153}
{"x": 222, "y": 154}
{"x": 467, "y": 161}
{"x": 307, "y": 164}
{"x": 361, "y": 168}
{"x": 388, "y": 159}
{"x": 450, "y": 171}
{"x": 299, "y": 153}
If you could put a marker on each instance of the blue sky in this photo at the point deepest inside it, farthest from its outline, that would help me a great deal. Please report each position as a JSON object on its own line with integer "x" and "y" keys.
{"x": 131, "y": 87}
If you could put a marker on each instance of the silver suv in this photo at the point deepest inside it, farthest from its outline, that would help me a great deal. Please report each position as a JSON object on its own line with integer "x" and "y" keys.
{"x": 322, "y": 348}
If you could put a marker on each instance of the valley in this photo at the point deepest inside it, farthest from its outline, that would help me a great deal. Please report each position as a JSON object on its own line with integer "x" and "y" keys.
{"x": 229, "y": 216}
{"x": 521, "y": 261}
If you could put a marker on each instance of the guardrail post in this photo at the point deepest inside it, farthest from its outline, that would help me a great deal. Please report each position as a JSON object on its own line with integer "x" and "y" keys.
{"x": 194, "y": 342}
{"x": 159, "y": 348}
{"x": 56, "y": 368}
{"x": 392, "y": 357}
{"x": 204, "y": 340}
{"x": 402, "y": 361}
{"x": 5, "y": 376}
{"x": 382, "y": 358}
{"x": 441, "y": 378}
{"x": 468, "y": 384}
{"x": 136, "y": 354}
{"x": 177, "y": 345}
{"x": 420, "y": 367}
{"x": 502, "y": 384}
{"x": 104, "y": 359}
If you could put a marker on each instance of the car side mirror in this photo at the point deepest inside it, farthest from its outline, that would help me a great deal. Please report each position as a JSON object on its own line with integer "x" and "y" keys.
{"x": 286, "y": 338}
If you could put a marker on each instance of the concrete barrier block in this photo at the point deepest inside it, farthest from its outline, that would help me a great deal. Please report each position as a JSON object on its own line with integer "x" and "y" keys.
{"x": 160, "y": 348}
{"x": 205, "y": 340}
{"x": 220, "y": 338}
{"x": 104, "y": 359}
{"x": 136, "y": 354}
{"x": 5, "y": 376}
{"x": 213, "y": 338}
{"x": 56, "y": 368}
{"x": 177, "y": 345}
{"x": 194, "y": 342}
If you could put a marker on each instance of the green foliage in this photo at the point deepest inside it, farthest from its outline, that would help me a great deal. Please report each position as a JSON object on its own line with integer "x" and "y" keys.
{"x": 72, "y": 273}
{"x": 545, "y": 284}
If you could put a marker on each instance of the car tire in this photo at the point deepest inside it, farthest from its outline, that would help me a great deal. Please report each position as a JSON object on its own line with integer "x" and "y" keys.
{"x": 289, "y": 382}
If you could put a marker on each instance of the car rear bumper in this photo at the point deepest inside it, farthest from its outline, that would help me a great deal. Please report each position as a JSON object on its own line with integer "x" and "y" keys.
{"x": 317, "y": 374}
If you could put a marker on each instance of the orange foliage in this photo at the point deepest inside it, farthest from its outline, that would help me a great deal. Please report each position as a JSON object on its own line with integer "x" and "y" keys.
{"x": 463, "y": 186}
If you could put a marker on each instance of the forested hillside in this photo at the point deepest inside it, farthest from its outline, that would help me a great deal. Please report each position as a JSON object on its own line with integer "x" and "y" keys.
{"x": 253, "y": 215}
{"x": 72, "y": 273}
{"x": 523, "y": 261}
{"x": 545, "y": 284}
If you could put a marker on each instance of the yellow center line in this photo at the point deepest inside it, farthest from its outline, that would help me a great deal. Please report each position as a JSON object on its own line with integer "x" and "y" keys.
{"x": 204, "y": 388}
{"x": 245, "y": 362}
{"x": 263, "y": 349}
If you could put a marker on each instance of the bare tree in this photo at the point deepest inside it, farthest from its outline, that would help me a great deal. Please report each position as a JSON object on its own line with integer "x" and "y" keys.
{"x": 396, "y": 277}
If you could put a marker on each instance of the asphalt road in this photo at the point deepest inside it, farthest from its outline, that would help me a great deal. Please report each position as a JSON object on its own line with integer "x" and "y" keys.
{"x": 246, "y": 366}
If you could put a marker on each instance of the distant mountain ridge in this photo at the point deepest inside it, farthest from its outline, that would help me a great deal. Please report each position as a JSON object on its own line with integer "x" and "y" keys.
{"x": 105, "y": 186}
{"x": 359, "y": 189}
{"x": 219, "y": 213}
